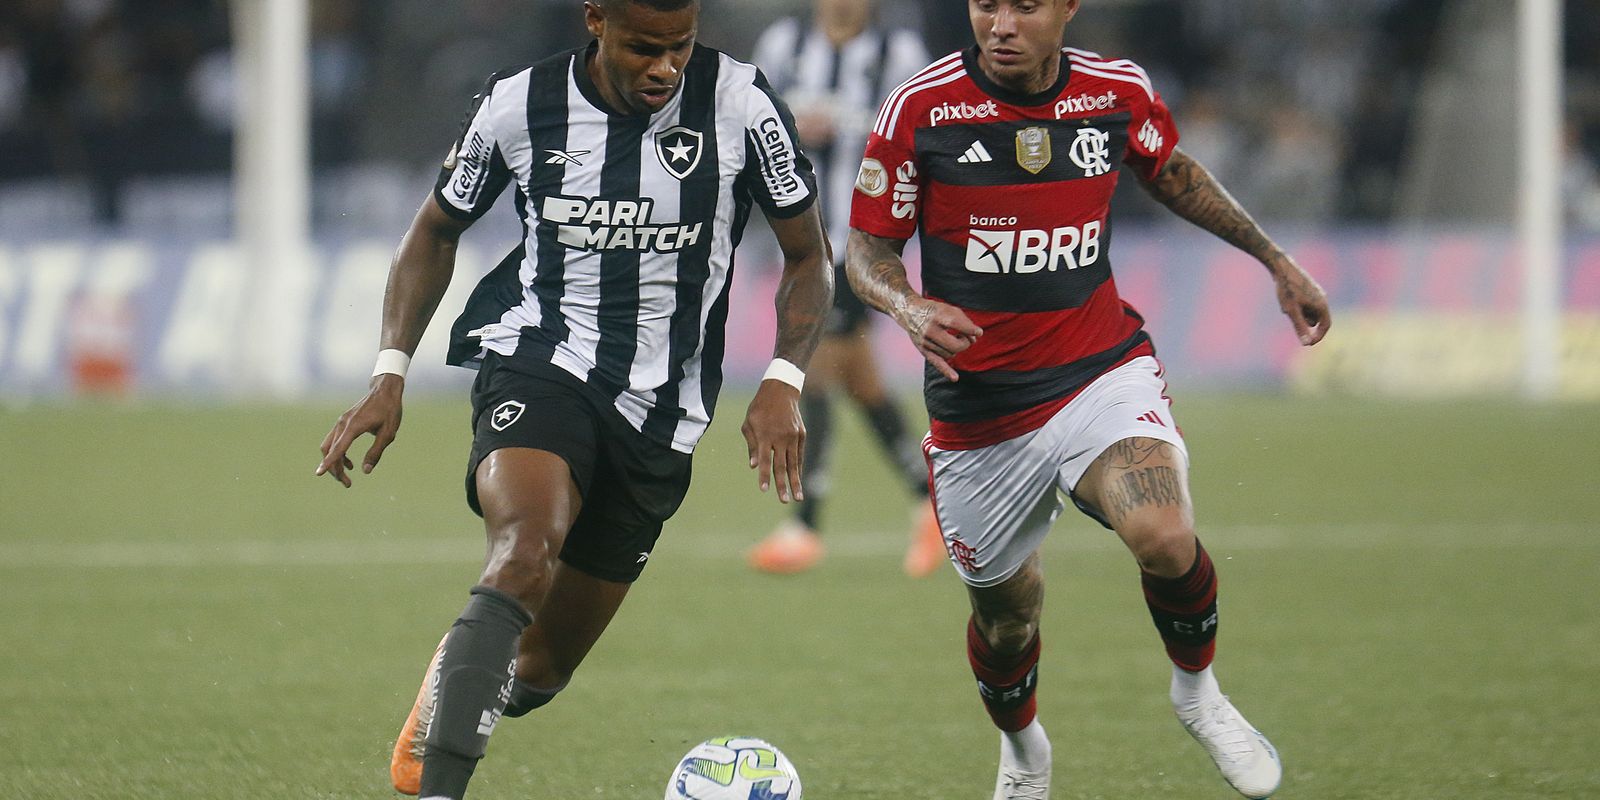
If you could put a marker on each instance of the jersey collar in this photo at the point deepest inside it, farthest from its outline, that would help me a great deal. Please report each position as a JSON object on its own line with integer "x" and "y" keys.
{"x": 969, "y": 57}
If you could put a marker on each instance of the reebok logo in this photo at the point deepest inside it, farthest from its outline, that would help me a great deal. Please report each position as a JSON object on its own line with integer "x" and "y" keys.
{"x": 565, "y": 157}
{"x": 962, "y": 112}
{"x": 1085, "y": 103}
{"x": 976, "y": 154}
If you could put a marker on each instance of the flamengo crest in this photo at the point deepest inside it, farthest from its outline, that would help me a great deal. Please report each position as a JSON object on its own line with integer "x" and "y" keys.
{"x": 679, "y": 150}
{"x": 1090, "y": 151}
{"x": 1033, "y": 149}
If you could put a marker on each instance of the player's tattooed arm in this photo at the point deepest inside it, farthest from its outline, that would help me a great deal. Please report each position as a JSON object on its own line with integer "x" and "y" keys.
{"x": 878, "y": 275}
{"x": 1189, "y": 190}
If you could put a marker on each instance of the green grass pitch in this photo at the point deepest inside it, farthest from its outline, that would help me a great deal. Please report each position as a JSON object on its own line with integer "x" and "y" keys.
{"x": 1408, "y": 593}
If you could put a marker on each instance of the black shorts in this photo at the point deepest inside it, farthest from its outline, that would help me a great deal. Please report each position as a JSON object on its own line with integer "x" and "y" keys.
{"x": 630, "y": 485}
{"x": 848, "y": 317}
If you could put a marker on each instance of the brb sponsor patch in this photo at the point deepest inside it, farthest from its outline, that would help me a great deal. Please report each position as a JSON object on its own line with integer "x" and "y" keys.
{"x": 1022, "y": 252}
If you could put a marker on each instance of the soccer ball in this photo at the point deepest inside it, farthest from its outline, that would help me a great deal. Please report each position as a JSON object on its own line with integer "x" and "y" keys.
{"x": 734, "y": 768}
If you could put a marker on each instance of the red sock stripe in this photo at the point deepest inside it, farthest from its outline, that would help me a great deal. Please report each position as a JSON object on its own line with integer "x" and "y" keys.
{"x": 1188, "y": 594}
{"x": 1191, "y": 658}
{"x": 1000, "y": 672}
{"x": 1191, "y": 595}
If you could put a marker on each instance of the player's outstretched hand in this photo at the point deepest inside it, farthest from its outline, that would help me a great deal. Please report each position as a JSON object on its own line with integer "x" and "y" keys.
{"x": 1303, "y": 301}
{"x": 938, "y": 330}
{"x": 378, "y": 414}
{"x": 776, "y": 437}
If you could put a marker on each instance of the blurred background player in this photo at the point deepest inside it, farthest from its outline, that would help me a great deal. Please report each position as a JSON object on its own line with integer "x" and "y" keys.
{"x": 598, "y": 345}
{"x": 834, "y": 70}
{"x": 1040, "y": 378}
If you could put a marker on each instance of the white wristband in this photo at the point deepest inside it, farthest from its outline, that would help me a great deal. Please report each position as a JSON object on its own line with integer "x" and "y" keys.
{"x": 391, "y": 362}
{"x": 781, "y": 370}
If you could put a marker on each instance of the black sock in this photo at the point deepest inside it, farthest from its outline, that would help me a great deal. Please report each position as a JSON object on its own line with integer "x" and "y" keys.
{"x": 475, "y": 677}
{"x": 818, "y": 414}
{"x": 525, "y": 698}
{"x": 889, "y": 426}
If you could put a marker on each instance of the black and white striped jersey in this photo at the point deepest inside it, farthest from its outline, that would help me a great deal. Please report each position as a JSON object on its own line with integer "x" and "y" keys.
{"x": 847, "y": 83}
{"x": 630, "y": 223}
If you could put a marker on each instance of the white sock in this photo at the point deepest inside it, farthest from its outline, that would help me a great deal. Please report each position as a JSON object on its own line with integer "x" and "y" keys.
{"x": 1190, "y": 689}
{"x": 1028, "y": 748}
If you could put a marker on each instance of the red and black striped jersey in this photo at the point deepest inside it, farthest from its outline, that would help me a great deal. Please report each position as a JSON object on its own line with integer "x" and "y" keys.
{"x": 1012, "y": 195}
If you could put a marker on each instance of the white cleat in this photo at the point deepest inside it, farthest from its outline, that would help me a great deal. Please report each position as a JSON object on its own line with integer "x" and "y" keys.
{"x": 1245, "y": 757}
{"x": 1017, "y": 783}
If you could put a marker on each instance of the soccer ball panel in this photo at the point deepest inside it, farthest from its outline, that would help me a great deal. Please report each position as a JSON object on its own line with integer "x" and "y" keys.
{"x": 734, "y": 768}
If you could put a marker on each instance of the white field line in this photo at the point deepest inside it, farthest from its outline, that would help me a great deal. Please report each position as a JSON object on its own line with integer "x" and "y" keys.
{"x": 465, "y": 547}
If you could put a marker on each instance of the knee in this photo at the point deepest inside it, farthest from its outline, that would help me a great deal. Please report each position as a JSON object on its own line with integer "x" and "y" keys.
{"x": 1166, "y": 550}
{"x": 1008, "y": 635}
{"x": 522, "y": 555}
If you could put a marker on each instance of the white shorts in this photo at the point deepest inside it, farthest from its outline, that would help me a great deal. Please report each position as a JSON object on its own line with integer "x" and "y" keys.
{"x": 996, "y": 503}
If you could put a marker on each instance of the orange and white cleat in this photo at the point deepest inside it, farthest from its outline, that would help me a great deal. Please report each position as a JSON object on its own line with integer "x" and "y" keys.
{"x": 927, "y": 549}
{"x": 791, "y": 548}
{"x": 405, "y": 766}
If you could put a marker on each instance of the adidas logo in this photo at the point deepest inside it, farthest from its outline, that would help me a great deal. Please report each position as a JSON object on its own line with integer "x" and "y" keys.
{"x": 976, "y": 154}
{"x": 1152, "y": 417}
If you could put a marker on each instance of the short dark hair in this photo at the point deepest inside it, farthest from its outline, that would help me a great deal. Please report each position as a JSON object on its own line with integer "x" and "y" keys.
{"x": 659, "y": 5}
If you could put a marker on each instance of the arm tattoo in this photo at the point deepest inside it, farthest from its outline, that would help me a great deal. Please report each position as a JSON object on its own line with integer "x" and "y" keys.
{"x": 1189, "y": 190}
{"x": 877, "y": 274}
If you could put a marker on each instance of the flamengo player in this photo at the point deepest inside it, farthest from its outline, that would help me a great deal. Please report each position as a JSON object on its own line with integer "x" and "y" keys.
{"x": 1039, "y": 376}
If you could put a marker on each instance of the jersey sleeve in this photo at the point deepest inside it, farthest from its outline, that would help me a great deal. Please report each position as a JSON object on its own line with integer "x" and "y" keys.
{"x": 888, "y": 191}
{"x": 1152, "y": 136}
{"x": 779, "y": 176}
{"x": 475, "y": 172}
